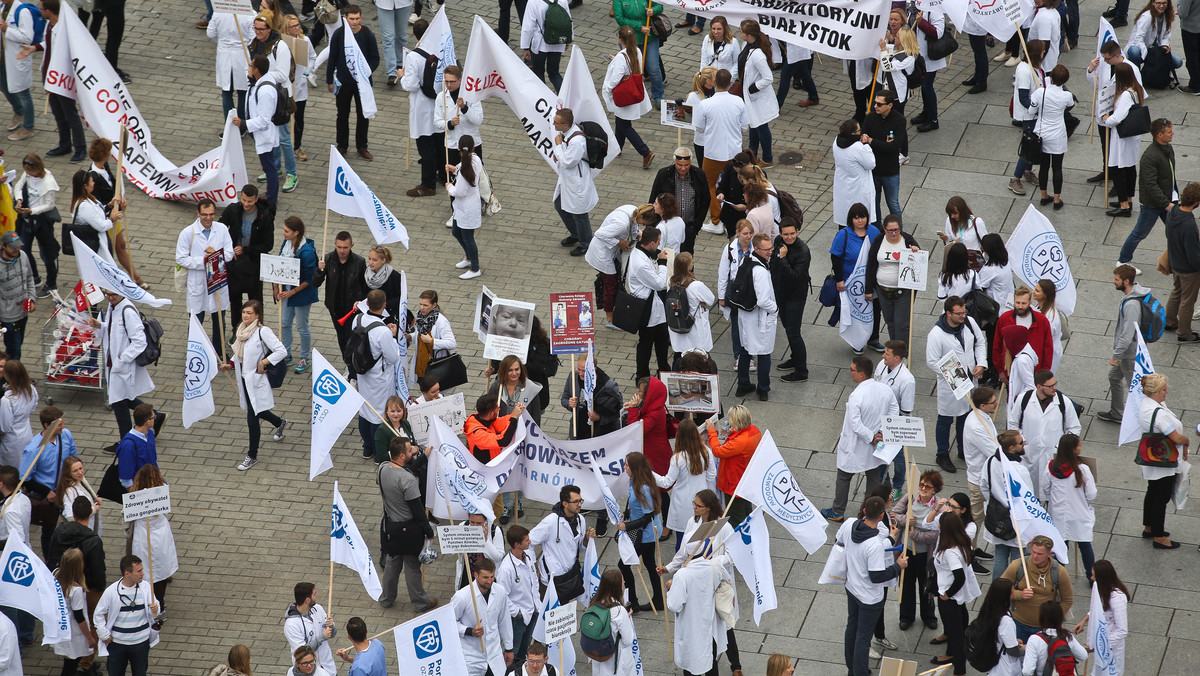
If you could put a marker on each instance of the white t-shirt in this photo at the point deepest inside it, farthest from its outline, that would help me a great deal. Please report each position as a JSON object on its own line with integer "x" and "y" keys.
{"x": 889, "y": 262}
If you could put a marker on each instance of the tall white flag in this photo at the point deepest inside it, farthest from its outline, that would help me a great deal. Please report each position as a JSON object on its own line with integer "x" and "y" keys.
{"x": 1035, "y": 252}
{"x": 334, "y": 405}
{"x": 347, "y": 547}
{"x": 429, "y": 643}
{"x": 360, "y": 70}
{"x": 1105, "y": 88}
{"x": 348, "y": 195}
{"x": 998, "y": 17}
{"x": 750, "y": 549}
{"x": 857, "y": 312}
{"x": 578, "y": 92}
{"x": 1030, "y": 518}
{"x": 625, "y": 548}
{"x": 439, "y": 41}
{"x": 768, "y": 483}
{"x": 1099, "y": 640}
{"x": 589, "y": 377}
{"x": 199, "y": 368}
{"x": 27, "y": 584}
{"x": 1131, "y": 426}
{"x": 459, "y": 491}
{"x": 550, "y": 602}
{"x": 402, "y": 365}
{"x": 591, "y": 571}
{"x": 95, "y": 270}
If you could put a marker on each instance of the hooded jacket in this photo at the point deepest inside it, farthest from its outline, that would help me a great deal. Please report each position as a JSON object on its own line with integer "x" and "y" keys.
{"x": 861, "y": 532}
{"x": 606, "y": 402}
{"x": 653, "y": 414}
{"x": 1128, "y": 313}
{"x": 71, "y": 534}
{"x": 735, "y": 455}
{"x": 487, "y": 438}
{"x": 1183, "y": 241}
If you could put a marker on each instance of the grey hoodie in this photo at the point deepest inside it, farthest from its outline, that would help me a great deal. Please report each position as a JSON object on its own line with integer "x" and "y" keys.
{"x": 1130, "y": 312}
{"x": 16, "y": 286}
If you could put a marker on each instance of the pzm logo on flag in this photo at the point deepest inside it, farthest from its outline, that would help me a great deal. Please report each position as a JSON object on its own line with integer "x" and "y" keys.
{"x": 18, "y": 570}
{"x": 427, "y": 640}
{"x": 341, "y": 184}
{"x": 328, "y": 387}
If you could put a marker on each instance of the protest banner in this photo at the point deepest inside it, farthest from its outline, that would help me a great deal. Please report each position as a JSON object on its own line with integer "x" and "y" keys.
{"x": 672, "y": 114}
{"x": 955, "y": 374}
{"x": 96, "y": 271}
{"x": 769, "y": 483}
{"x": 465, "y": 539}
{"x": 904, "y": 430}
{"x": 334, "y": 405}
{"x": 692, "y": 392}
{"x": 347, "y": 547}
{"x": 571, "y": 322}
{"x": 450, "y": 410}
{"x": 429, "y": 644}
{"x": 146, "y": 503}
{"x": 439, "y": 41}
{"x": 279, "y": 269}
{"x": 914, "y": 270}
{"x": 1036, "y": 252}
{"x": 215, "y": 274}
{"x": 509, "y": 329}
{"x": 349, "y": 195}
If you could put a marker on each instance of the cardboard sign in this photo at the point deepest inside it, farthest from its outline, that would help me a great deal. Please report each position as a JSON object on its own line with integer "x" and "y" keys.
{"x": 674, "y": 114}
{"x": 214, "y": 270}
{"x": 560, "y": 622}
{"x": 509, "y": 327}
{"x": 572, "y": 322}
{"x": 235, "y": 7}
{"x": 1091, "y": 464}
{"x": 146, "y": 503}
{"x": 452, "y": 411}
{"x": 461, "y": 539}
{"x": 483, "y": 313}
{"x": 708, "y": 529}
{"x": 279, "y": 270}
{"x": 904, "y": 430}
{"x": 914, "y": 270}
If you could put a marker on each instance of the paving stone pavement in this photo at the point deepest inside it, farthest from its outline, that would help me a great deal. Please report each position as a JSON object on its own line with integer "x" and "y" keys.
{"x": 245, "y": 538}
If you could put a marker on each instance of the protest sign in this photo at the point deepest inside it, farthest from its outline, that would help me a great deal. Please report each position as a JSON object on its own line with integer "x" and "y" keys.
{"x": 509, "y": 328}
{"x": 571, "y": 322}
{"x": 903, "y": 430}
{"x": 146, "y": 503}
{"x": 672, "y": 114}
{"x": 279, "y": 269}
{"x": 465, "y": 539}
{"x": 483, "y": 313}
{"x": 242, "y": 7}
{"x": 429, "y": 644}
{"x": 214, "y": 271}
{"x": 450, "y": 410}
{"x": 955, "y": 374}
{"x": 914, "y": 270}
{"x": 561, "y": 622}
{"x": 692, "y": 392}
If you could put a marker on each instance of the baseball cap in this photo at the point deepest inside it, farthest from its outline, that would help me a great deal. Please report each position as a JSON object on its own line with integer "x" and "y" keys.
{"x": 11, "y": 239}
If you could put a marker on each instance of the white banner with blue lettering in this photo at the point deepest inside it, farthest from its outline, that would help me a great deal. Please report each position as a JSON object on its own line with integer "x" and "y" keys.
{"x": 768, "y": 482}
{"x": 428, "y": 644}
{"x": 27, "y": 584}
{"x": 858, "y": 314}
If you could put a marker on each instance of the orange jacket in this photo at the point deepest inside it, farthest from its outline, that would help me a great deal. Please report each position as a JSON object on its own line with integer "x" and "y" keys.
{"x": 735, "y": 455}
{"x": 486, "y": 439}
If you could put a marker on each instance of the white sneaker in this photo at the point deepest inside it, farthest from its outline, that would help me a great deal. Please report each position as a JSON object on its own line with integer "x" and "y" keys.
{"x": 247, "y": 464}
{"x": 873, "y": 654}
{"x": 469, "y": 274}
{"x": 1135, "y": 268}
{"x": 278, "y": 436}
{"x": 1196, "y": 314}
{"x": 463, "y": 264}
{"x": 1002, "y": 56}
{"x": 1012, "y": 61}
{"x": 753, "y": 364}
{"x": 713, "y": 228}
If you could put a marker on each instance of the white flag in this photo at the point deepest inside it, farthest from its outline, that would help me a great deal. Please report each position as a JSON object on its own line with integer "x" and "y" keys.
{"x": 360, "y": 70}
{"x": 768, "y": 483}
{"x": 550, "y": 601}
{"x": 858, "y": 314}
{"x": 591, "y": 571}
{"x": 347, "y": 547}
{"x": 402, "y": 341}
{"x": 334, "y": 405}
{"x": 1036, "y": 252}
{"x": 750, "y": 549}
{"x": 95, "y": 270}
{"x": 1131, "y": 425}
{"x": 589, "y": 377}
{"x": 199, "y": 369}
{"x": 1030, "y": 518}
{"x": 578, "y": 92}
{"x": 348, "y": 195}
{"x": 625, "y": 548}
{"x": 459, "y": 490}
{"x": 27, "y": 584}
{"x": 998, "y": 17}
{"x": 1099, "y": 641}
{"x": 439, "y": 41}
{"x": 1103, "y": 74}
{"x": 429, "y": 643}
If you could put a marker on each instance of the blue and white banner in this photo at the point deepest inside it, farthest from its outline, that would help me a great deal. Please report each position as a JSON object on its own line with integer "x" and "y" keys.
{"x": 439, "y": 41}
{"x": 334, "y": 405}
{"x": 199, "y": 369}
{"x": 457, "y": 488}
{"x": 591, "y": 570}
{"x": 769, "y": 483}
{"x": 1028, "y": 515}
{"x": 1109, "y": 661}
{"x": 750, "y": 549}
{"x": 1036, "y": 252}
{"x": 27, "y": 584}
{"x": 360, "y": 70}
{"x": 625, "y": 548}
{"x": 858, "y": 313}
{"x": 429, "y": 643}
{"x": 550, "y": 602}
{"x": 95, "y": 270}
{"x": 347, "y": 547}
{"x": 348, "y": 195}
{"x": 1131, "y": 426}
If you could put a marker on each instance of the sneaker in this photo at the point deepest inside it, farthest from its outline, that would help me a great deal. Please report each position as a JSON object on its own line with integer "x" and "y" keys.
{"x": 980, "y": 554}
{"x": 21, "y": 134}
{"x": 520, "y": 512}
{"x": 44, "y": 292}
{"x": 1189, "y": 90}
{"x": 1108, "y": 417}
{"x": 463, "y": 264}
{"x": 787, "y": 364}
{"x": 896, "y": 493}
{"x": 1002, "y": 56}
{"x": 470, "y": 274}
{"x": 874, "y": 654}
{"x": 289, "y": 184}
{"x": 903, "y": 160}
{"x": 247, "y": 464}
{"x": 885, "y": 644}
{"x": 713, "y": 228}
{"x": 1030, "y": 177}
{"x": 262, "y": 178}
{"x": 753, "y": 365}
{"x": 831, "y": 515}
{"x": 1012, "y": 61}
{"x": 301, "y": 155}
{"x": 279, "y": 431}
{"x": 979, "y": 568}
{"x": 302, "y": 366}
{"x": 858, "y": 352}
{"x": 505, "y": 518}
{"x": 1016, "y": 187}
{"x": 450, "y": 222}
{"x": 876, "y": 345}
{"x": 15, "y": 122}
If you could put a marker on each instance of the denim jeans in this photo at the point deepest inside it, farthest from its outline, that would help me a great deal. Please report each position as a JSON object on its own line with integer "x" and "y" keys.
{"x": 548, "y": 63}
{"x": 791, "y": 314}
{"x": 466, "y": 239}
{"x": 522, "y": 633}
{"x": 393, "y": 24}
{"x": 286, "y": 150}
{"x": 929, "y": 97}
{"x": 208, "y": 10}
{"x": 764, "y": 370}
{"x": 895, "y": 316}
{"x": 943, "y": 432}
{"x": 22, "y": 102}
{"x": 14, "y": 337}
{"x": 1135, "y": 57}
{"x": 1024, "y": 631}
{"x": 887, "y": 187}
{"x": 860, "y": 626}
{"x": 227, "y": 102}
{"x": 1003, "y": 556}
{"x": 508, "y": 500}
{"x": 694, "y": 20}
{"x": 121, "y": 657}
{"x": 252, "y": 419}
{"x": 761, "y": 135}
{"x": 271, "y": 168}
{"x": 578, "y": 225}
{"x": 979, "y": 50}
{"x": 650, "y": 66}
{"x": 624, "y": 130}
{"x": 298, "y": 315}
{"x": 1089, "y": 557}
{"x": 366, "y": 430}
{"x": 1147, "y": 216}
{"x": 801, "y": 69}
{"x": 896, "y": 473}
{"x": 1071, "y": 25}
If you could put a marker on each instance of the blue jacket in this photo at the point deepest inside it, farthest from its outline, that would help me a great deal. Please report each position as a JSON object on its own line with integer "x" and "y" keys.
{"x": 637, "y": 511}
{"x": 308, "y": 267}
{"x": 45, "y": 473}
{"x": 132, "y": 453}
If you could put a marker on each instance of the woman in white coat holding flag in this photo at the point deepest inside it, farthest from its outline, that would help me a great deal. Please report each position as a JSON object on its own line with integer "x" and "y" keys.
{"x": 627, "y": 64}
{"x": 762, "y": 106}
{"x": 255, "y": 349}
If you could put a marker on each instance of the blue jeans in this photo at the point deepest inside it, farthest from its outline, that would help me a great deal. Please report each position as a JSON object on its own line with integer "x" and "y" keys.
{"x": 624, "y": 130}
{"x": 1024, "y": 631}
{"x": 227, "y": 103}
{"x": 298, "y": 315}
{"x": 508, "y": 501}
{"x": 943, "y": 432}
{"x": 860, "y": 627}
{"x": 1071, "y": 29}
{"x": 285, "y": 148}
{"x": 1135, "y": 57}
{"x": 522, "y": 633}
{"x": 653, "y": 72}
{"x": 466, "y": 239}
{"x": 366, "y": 430}
{"x": 1022, "y": 165}
{"x": 208, "y": 10}
{"x": 22, "y": 102}
{"x": 1003, "y": 556}
{"x": 1089, "y": 557}
{"x": 1147, "y": 216}
{"x": 888, "y": 187}
{"x": 803, "y": 69}
{"x": 393, "y": 24}
{"x": 761, "y": 135}
{"x": 270, "y": 167}
{"x": 548, "y": 63}
{"x": 764, "y": 370}
{"x": 929, "y": 96}
{"x": 578, "y": 225}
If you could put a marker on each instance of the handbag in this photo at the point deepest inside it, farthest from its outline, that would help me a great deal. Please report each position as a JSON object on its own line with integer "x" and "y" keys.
{"x": 569, "y": 585}
{"x": 110, "y": 486}
{"x": 975, "y": 257}
{"x": 630, "y": 313}
{"x": 275, "y": 372}
{"x": 735, "y": 88}
{"x": 449, "y": 371}
{"x": 1030, "y": 147}
{"x": 942, "y": 47}
{"x": 1136, "y": 122}
{"x": 660, "y": 27}
{"x": 1164, "y": 263}
{"x": 630, "y": 90}
{"x": 400, "y": 539}
{"x": 725, "y": 601}
{"x": 1182, "y": 484}
{"x": 86, "y": 234}
{"x": 1156, "y": 449}
{"x": 829, "y": 293}
{"x": 996, "y": 518}
{"x": 981, "y": 307}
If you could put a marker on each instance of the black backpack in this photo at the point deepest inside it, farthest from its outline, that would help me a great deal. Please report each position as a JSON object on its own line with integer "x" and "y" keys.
{"x": 740, "y": 293}
{"x": 284, "y": 105}
{"x": 788, "y": 207}
{"x": 154, "y": 334}
{"x": 429, "y": 74}
{"x": 679, "y": 310}
{"x": 597, "y": 143}
{"x": 913, "y": 80}
{"x": 358, "y": 347}
{"x": 982, "y": 652}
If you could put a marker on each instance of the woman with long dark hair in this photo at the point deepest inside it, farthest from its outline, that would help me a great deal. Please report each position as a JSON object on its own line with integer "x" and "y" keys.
{"x": 1114, "y": 601}
{"x": 1123, "y": 153}
{"x": 995, "y": 615}
{"x": 1069, "y": 494}
{"x": 627, "y": 63}
{"x": 87, "y": 210}
{"x": 754, "y": 71}
{"x": 693, "y": 470}
{"x": 1037, "y": 650}
{"x": 962, "y": 225}
{"x": 468, "y": 210}
{"x": 611, "y": 596}
{"x": 674, "y": 231}
{"x": 995, "y": 278}
{"x": 18, "y": 403}
{"x": 642, "y": 522}
{"x": 843, "y": 252}
{"x": 1152, "y": 28}
{"x": 957, "y": 278}
{"x": 956, "y": 588}
{"x": 1044, "y": 293}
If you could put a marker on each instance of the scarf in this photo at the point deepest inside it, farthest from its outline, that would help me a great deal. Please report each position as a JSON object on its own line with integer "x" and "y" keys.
{"x": 244, "y": 331}
{"x": 424, "y": 323}
{"x": 377, "y": 278}
{"x": 956, "y": 332}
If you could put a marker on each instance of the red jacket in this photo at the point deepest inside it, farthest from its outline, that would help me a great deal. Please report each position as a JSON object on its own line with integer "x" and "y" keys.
{"x": 486, "y": 439}
{"x": 735, "y": 455}
{"x": 1039, "y": 337}
{"x": 653, "y": 414}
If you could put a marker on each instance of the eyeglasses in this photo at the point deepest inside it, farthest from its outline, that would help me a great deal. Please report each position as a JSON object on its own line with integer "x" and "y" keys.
{"x": 698, "y": 505}
{"x": 1050, "y": 386}
{"x": 306, "y": 663}
{"x": 962, "y": 313}
{"x": 881, "y": 103}
{"x": 892, "y": 231}
{"x": 991, "y": 403}
{"x": 536, "y": 663}
{"x": 575, "y": 502}
{"x": 28, "y": 163}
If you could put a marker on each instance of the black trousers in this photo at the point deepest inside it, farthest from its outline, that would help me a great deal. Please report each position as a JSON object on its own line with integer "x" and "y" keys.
{"x": 506, "y": 16}
{"x": 342, "y": 330}
{"x": 66, "y": 119}
{"x": 655, "y": 337}
{"x": 346, "y": 94}
{"x": 114, "y": 11}
{"x": 914, "y": 588}
{"x": 646, "y": 551}
{"x": 955, "y": 619}
{"x": 298, "y": 127}
{"x": 1051, "y": 161}
{"x": 431, "y": 150}
{"x": 979, "y": 50}
{"x": 1154, "y": 506}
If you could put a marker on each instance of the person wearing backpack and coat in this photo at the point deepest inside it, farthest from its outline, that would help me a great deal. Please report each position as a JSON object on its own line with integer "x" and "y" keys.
{"x": 609, "y": 602}
{"x": 378, "y": 382}
{"x": 627, "y": 63}
{"x": 1048, "y": 581}
{"x": 604, "y": 416}
{"x": 261, "y": 103}
{"x": 1044, "y": 415}
{"x": 543, "y": 58}
{"x": 756, "y": 327}
{"x": 646, "y": 280}
{"x": 124, "y": 340}
{"x": 1052, "y": 649}
{"x": 701, "y": 636}
{"x": 1129, "y": 315}
{"x": 20, "y": 32}
{"x": 575, "y": 191}
{"x": 255, "y": 343}
{"x": 699, "y": 300}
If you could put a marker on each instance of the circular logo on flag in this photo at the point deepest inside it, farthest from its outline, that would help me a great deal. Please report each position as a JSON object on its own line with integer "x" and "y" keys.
{"x": 427, "y": 640}
{"x": 198, "y": 365}
{"x": 860, "y": 308}
{"x": 337, "y": 530}
{"x": 783, "y": 497}
{"x": 341, "y": 184}
{"x": 1044, "y": 258}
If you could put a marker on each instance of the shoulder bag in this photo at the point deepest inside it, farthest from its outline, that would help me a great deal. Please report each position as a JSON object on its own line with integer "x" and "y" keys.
{"x": 981, "y": 307}
{"x": 449, "y": 371}
{"x": 975, "y": 257}
{"x": 275, "y": 372}
{"x": 943, "y": 46}
{"x": 1136, "y": 122}
{"x": 1156, "y": 449}
{"x": 110, "y": 486}
{"x": 630, "y": 313}
{"x": 630, "y": 90}
{"x": 395, "y": 538}
{"x": 996, "y": 518}
{"x": 86, "y": 234}
{"x": 1030, "y": 148}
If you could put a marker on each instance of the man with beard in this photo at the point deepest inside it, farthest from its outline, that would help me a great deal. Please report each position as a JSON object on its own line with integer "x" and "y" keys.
{"x": 1040, "y": 337}
{"x": 604, "y": 414}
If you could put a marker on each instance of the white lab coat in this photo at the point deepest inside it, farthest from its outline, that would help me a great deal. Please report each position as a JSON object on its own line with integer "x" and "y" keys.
{"x": 1051, "y": 102}
{"x": 692, "y": 597}
{"x": 979, "y": 443}
{"x": 727, "y": 269}
{"x": 902, "y": 67}
{"x": 945, "y": 563}
{"x": 1025, "y": 77}
{"x": 1055, "y": 320}
{"x": 972, "y": 352}
{"x": 960, "y": 285}
{"x": 260, "y": 107}
{"x": 91, "y": 212}
{"x": 939, "y": 22}
{"x": 280, "y": 60}
{"x": 420, "y": 107}
{"x": 624, "y": 662}
{"x": 865, "y": 408}
{"x": 684, "y": 486}
{"x": 1147, "y": 33}
{"x": 109, "y": 606}
{"x": 720, "y": 552}
{"x": 673, "y": 233}
{"x": 126, "y": 338}
{"x": 231, "y": 49}
{"x": 1047, "y": 26}
{"x": 757, "y": 327}
{"x": 256, "y": 389}
{"x": 1071, "y": 506}
{"x": 10, "y": 648}
{"x": 603, "y": 251}
{"x": 379, "y": 382}
{"x": 762, "y": 106}
{"x": 1042, "y": 430}
{"x": 700, "y": 301}
{"x": 852, "y": 180}
{"x": 497, "y": 628}
{"x": 901, "y": 382}
{"x": 468, "y": 210}
{"x": 1020, "y": 381}
{"x": 308, "y": 629}
{"x": 997, "y": 281}
{"x": 576, "y": 185}
{"x": 646, "y": 277}
{"x": 165, "y": 561}
{"x": 15, "y": 429}
{"x": 19, "y": 34}
{"x": 618, "y": 68}
{"x": 446, "y": 108}
{"x": 1122, "y": 152}
{"x": 531, "y": 28}
{"x": 189, "y": 253}
{"x": 721, "y": 118}
{"x": 726, "y": 58}
{"x": 693, "y": 101}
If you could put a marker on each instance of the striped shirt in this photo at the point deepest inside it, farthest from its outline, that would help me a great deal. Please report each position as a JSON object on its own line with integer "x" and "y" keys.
{"x": 132, "y": 625}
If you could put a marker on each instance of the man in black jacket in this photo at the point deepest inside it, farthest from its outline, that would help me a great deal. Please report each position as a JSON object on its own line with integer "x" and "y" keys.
{"x": 346, "y": 272}
{"x": 789, "y": 276}
{"x": 347, "y": 89}
{"x": 1183, "y": 252}
{"x": 251, "y": 223}
{"x": 888, "y": 134}
{"x": 690, "y": 188}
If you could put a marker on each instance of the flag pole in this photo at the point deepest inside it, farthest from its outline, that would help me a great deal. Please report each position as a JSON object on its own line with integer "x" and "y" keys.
{"x": 1016, "y": 528}
{"x": 575, "y": 394}
{"x": 646, "y": 589}
{"x": 325, "y": 231}
{"x": 329, "y": 604}
{"x": 245, "y": 52}
{"x": 1000, "y": 397}
{"x": 666, "y": 615}
{"x": 646, "y": 37}
{"x": 871, "y": 98}
{"x": 467, "y": 570}
{"x": 912, "y": 301}
{"x": 910, "y": 469}
{"x": 46, "y": 436}
{"x": 1095, "y": 92}
{"x": 150, "y": 554}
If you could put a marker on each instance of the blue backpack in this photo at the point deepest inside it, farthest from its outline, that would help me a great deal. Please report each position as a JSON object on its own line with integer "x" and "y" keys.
{"x": 1153, "y": 319}
{"x": 39, "y": 21}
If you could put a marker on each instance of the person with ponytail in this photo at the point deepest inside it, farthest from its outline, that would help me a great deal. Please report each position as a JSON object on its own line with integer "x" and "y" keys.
{"x": 762, "y": 105}
{"x": 1114, "y": 601}
{"x": 627, "y": 63}
{"x": 468, "y": 211}
{"x": 1070, "y": 490}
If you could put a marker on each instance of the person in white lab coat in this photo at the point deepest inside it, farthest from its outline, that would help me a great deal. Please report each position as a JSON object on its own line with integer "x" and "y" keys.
{"x": 1070, "y": 490}
{"x": 1051, "y": 104}
{"x": 160, "y": 552}
{"x": 1020, "y": 371}
{"x": 124, "y": 338}
{"x": 422, "y": 128}
{"x": 255, "y": 348}
{"x": 700, "y": 633}
{"x": 87, "y": 210}
{"x": 456, "y": 118}
{"x": 700, "y": 301}
{"x": 1114, "y": 602}
{"x": 488, "y": 628}
{"x": 575, "y": 191}
{"x": 979, "y": 443}
{"x": 719, "y": 49}
{"x": 627, "y": 63}
{"x": 231, "y": 50}
{"x": 260, "y": 109}
{"x": 861, "y": 432}
{"x": 493, "y": 548}
{"x": 719, "y": 119}
{"x": 626, "y": 660}
{"x": 693, "y": 469}
{"x": 1047, "y": 26}
{"x": 302, "y": 79}
{"x": 129, "y": 602}
{"x": 307, "y": 624}
{"x": 1123, "y": 153}
{"x": 853, "y": 162}
{"x": 468, "y": 210}
{"x": 206, "y": 235}
{"x": 756, "y": 328}
{"x": 82, "y": 643}
{"x": 954, "y": 332}
{"x": 18, "y": 71}
{"x": 645, "y": 279}
{"x": 378, "y": 382}
{"x": 1043, "y": 415}
{"x": 762, "y": 106}
{"x": 1037, "y": 650}
{"x": 518, "y": 574}
{"x": 671, "y": 224}
{"x": 542, "y": 58}
{"x": 893, "y": 372}
{"x": 613, "y": 241}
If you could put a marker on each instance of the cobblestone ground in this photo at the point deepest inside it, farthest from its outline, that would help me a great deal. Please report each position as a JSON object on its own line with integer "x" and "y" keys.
{"x": 245, "y": 539}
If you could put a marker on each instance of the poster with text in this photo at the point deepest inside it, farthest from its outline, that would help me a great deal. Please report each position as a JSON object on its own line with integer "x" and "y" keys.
{"x": 571, "y": 322}
{"x": 214, "y": 269}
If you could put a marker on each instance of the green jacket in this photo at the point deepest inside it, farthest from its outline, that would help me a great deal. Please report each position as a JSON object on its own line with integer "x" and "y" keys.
{"x": 632, "y": 13}
{"x": 1156, "y": 175}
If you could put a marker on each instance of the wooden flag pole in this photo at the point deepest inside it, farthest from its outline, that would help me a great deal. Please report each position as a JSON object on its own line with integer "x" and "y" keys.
{"x": 245, "y": 52}
{"x": 1000, "y": 397}
{"x": 46, "y": 436}
{"x": 329, "y": 605}
{"x": 384, "y": 419}
{"x": 1107, "y": 142}
{"x": 871, "y": 98}
{"x": 666, "y": 615}
{"x": 646, "y": 589}
{"x": 1095, "y": 92}
{"x": 150, "y": 553}
{"x": 910, "y": 469}
{"x": 325, "y": 233}
{"x": 912, "y": 301}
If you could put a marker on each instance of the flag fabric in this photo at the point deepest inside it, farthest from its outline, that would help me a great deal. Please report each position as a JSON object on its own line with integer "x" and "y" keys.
{"x": 95, "y": 270}
{"x": 750, "y": 549}
{"x": 857, "y": 312}
{"x": 199, "y": 368}
{"x": 769, "y": 483}
{"x": 550, "y": 601}
{"x": 8, "y": 212}
{"x": 1030, "y": 518}
{"x": 998, "y": 17}
{"x": 347, "y": 547}
{"x": 429, "y": 643}
{"x": 1104, "y": 33}
{"x": 1131, "y": 425}
{"x": 628, "y": 552}
{"x": 402, "y": 341}
{"x": 1108, "y": 662}
{"x": 589, "y": 377}
{"x": 1036, "y": 252}
{"x": 27, "y": 584}
{"x": 334, "y": 405}
{"x": 459, "y": 491}
{"x": 1104, "y": 89}
{"x": 578, "y": 92}
{"x": 439, "y": 41}
{"x": 360, "y": 70}
{"x": 348, "y": 195}
{"x": 591, "y": 571}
